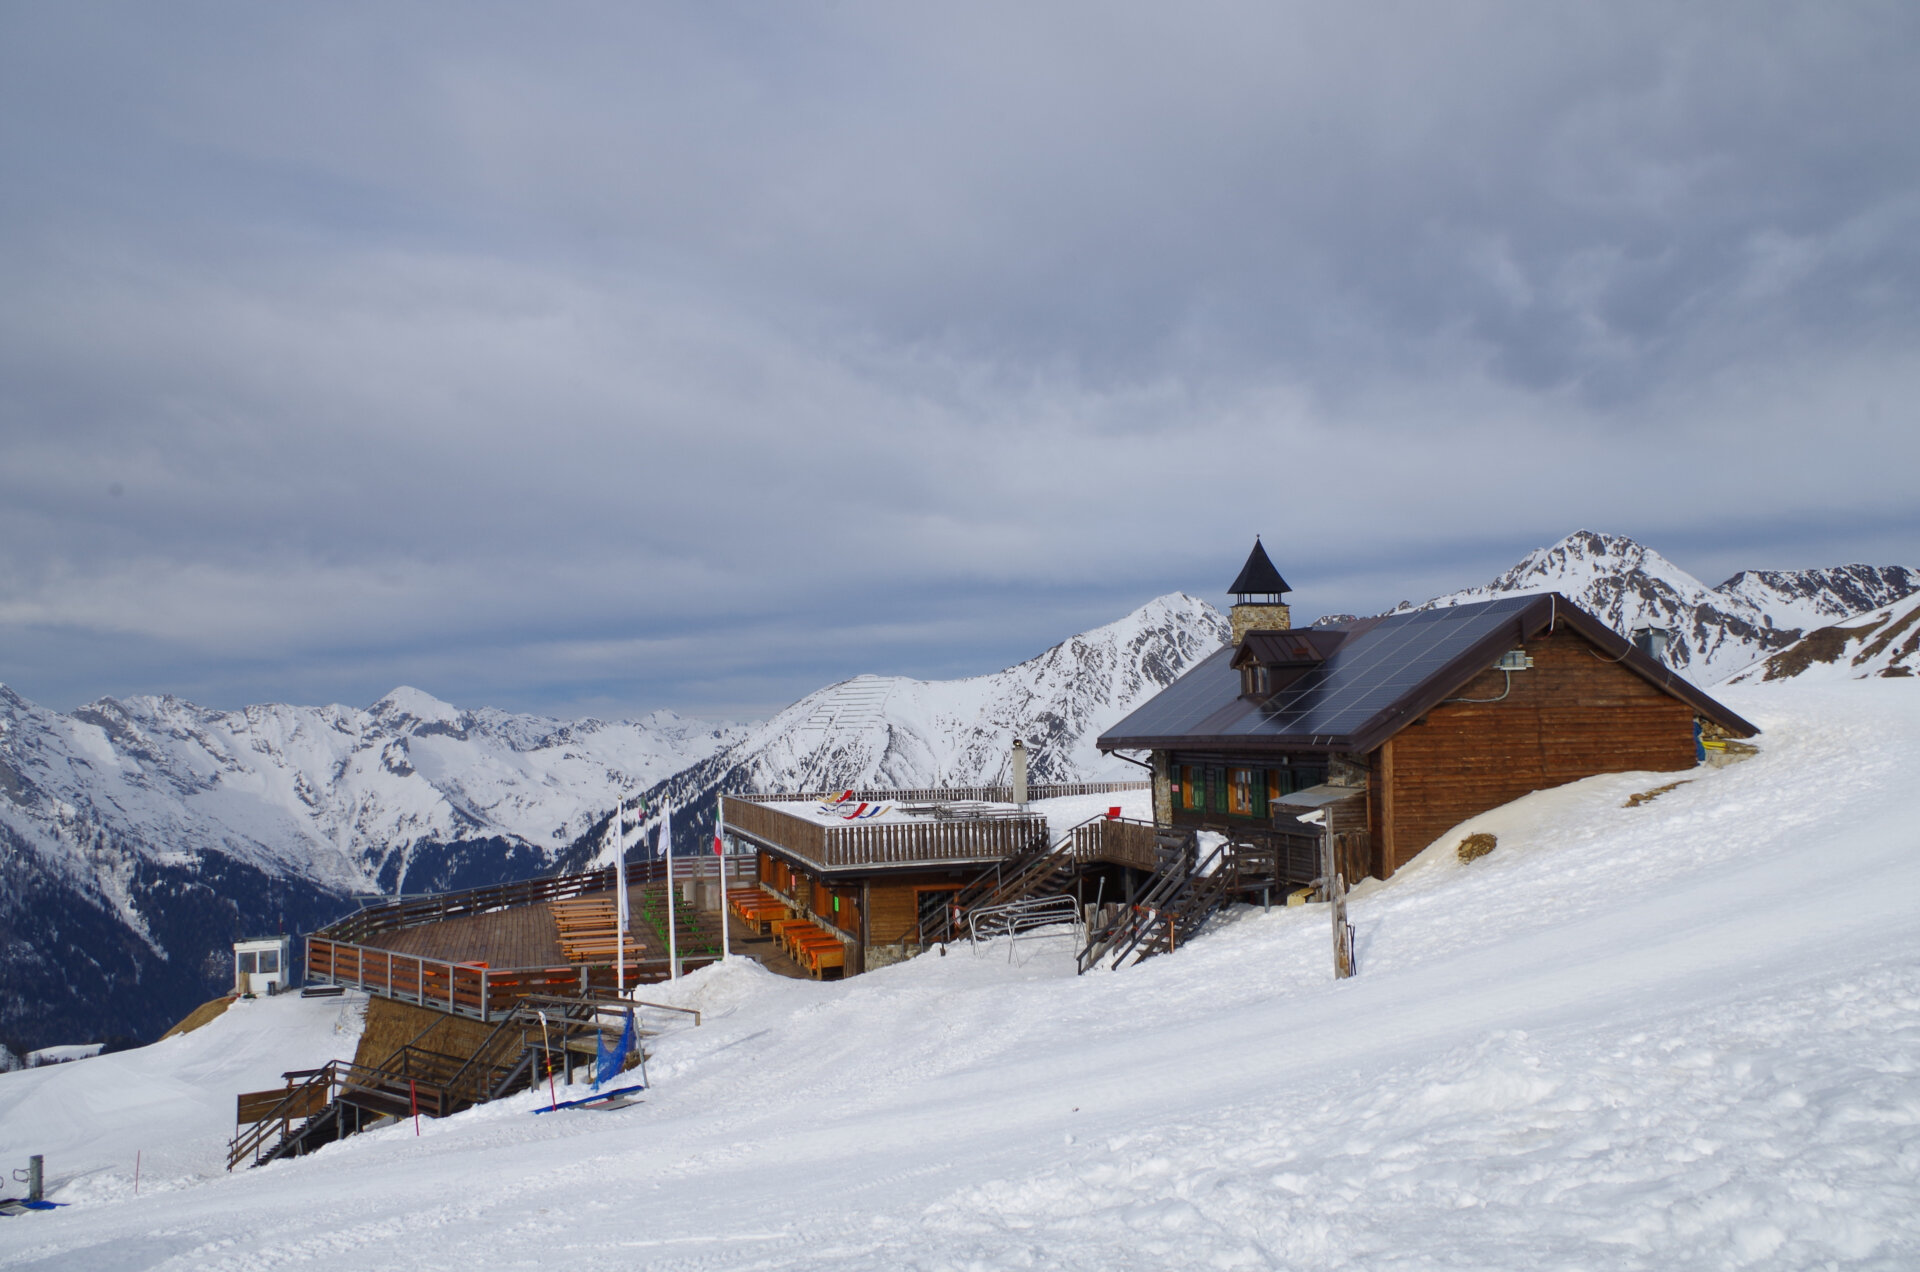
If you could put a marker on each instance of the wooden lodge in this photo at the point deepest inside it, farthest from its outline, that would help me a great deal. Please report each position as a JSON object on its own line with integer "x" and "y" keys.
{"x": 853, "y": 880}
{"x": 1405, "y": 725}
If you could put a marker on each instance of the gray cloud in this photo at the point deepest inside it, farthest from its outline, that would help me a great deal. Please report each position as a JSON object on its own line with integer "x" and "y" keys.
{"x": 603, "y": 357}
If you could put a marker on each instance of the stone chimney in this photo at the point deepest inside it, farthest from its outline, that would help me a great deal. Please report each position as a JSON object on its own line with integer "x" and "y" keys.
{"x": 1258, "y": 597}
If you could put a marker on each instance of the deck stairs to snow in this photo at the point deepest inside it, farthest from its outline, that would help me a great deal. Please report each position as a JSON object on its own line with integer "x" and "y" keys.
{"x": 1038, "y": 866}
{"x": 322, "y": 1105}
{"x": 1179, "y": 897}
{"x": 1043, "y": 871}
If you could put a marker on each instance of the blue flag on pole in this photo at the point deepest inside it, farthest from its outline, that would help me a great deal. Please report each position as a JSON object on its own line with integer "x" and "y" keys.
{"x": 609, "y": 1063}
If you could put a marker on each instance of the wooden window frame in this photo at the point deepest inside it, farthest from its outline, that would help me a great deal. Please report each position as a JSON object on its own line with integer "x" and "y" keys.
{"x": 1240, "y": 783}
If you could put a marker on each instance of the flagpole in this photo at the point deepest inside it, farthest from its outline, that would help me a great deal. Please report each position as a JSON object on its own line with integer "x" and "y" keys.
{"x": 666, "y": 846}
{"x": 720, "y": 858}
{"x": 620, "y": 886}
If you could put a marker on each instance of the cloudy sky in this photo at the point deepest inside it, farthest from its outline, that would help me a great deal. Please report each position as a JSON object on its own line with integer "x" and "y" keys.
{"x": 590, "y": 358}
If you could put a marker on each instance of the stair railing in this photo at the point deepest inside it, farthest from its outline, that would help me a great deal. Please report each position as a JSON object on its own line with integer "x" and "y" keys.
{"x": 252, "y": 1140}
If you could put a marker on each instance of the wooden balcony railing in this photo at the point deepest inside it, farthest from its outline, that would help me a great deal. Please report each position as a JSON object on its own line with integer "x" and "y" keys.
{"x": 1117, "y": 841}
{"x": 466, "y": 989}
{"x": 389, "y": 916}
{"x": 938, "y": 794}
{"x": 884, "y": 843}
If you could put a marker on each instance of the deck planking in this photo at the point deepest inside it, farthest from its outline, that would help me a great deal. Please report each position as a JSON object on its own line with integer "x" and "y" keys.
{"x": 528, "y": 936}
{"x": 519, "y": 936}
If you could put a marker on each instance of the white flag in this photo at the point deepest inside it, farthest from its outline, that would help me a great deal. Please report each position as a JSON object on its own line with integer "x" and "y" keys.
{"x": 666, "y": 830}
{"x": 620, "y": 862}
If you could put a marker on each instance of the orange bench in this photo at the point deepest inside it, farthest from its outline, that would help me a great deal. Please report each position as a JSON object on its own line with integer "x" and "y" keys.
{"x": 819, "y": 958}
{"x": 759, "y": 911}
{"x": 783, "y": 929}
{"x": 815, "y": 952}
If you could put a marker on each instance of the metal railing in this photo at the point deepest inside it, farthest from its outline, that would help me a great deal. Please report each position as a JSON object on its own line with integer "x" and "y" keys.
{"x": 1016, "y": 918}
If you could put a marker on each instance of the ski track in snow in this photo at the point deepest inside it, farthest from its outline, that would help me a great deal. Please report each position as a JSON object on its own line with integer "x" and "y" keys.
{"x": 1682, "y": 1035}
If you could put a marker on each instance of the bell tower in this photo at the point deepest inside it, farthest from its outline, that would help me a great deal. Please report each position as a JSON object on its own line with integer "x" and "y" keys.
{"x": 1258, "y": 597}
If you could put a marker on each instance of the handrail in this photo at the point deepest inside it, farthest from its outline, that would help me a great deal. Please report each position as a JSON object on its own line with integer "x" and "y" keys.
{"x": 462, "y": 989}
{"x": 884, "y": 843}
{"x": 1166, "y": 903}
{"x": 389, "y": 916}
{"x": 250, "y": 1139}
{"x": 917, "y": 794}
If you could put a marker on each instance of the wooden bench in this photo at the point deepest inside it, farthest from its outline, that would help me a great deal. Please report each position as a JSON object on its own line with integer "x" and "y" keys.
{"x": 783, "y": 929}
{"x": 818, "y": 958}
{"x": 759, "y": 912}
{"x": 810, "y": 951}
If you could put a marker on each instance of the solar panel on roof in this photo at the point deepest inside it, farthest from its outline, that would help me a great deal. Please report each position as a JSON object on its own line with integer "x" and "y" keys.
{"x": 1373, "y": 669}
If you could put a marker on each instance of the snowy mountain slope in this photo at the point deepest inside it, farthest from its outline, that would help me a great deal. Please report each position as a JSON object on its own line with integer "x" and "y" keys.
{"x": 1883, "y": 642}
{"x": 1629, "y": 1038}
{"x": 894, "y": 731}
{"x": 138, "y": 838}
{"x": 1716, "y": 631}
{"x": 334, "y": 795}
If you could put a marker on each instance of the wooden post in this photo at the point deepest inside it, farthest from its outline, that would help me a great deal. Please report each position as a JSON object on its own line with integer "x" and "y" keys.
{"x": 1334, "y": 889}
{"x": 866, "y": 929}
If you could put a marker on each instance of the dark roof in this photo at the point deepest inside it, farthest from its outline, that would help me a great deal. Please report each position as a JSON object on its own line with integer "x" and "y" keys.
{"x": 1302, "y": 647}
{"x": 1257, "y": 576}
{"x": 1382, "y": 675}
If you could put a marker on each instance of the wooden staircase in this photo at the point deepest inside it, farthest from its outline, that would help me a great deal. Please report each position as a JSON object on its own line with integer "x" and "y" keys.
{"x": 1039, "y": 868}
{"x": 323, "y": 1105}
{"x": 1180, "y": 896}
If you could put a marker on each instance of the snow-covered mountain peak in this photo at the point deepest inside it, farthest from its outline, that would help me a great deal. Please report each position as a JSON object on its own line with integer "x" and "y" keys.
{"x": 1715, "y": 631}
{"x": 407, "y": 704}
{"x": 1575, "y": 563}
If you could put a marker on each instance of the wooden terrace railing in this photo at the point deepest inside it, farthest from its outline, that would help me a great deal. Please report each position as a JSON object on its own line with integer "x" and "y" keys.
{"x": 464, "y": 989}
{"x": 388, "y": 916}
{"x": 1120, "y": 841}
{"x": 468, "y": 989}
{"x": 883, "y": 843}
{"x": 937, "y": 794}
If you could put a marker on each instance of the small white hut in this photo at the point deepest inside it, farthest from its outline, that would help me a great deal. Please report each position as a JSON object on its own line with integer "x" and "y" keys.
{"x": 263, "y": 965}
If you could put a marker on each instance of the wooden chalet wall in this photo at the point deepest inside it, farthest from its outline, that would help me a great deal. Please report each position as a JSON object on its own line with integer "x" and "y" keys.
{"x": 1575, "y": 713}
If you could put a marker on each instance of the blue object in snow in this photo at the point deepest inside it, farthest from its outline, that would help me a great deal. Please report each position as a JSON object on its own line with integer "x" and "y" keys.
{"x": 591, "y": 1099}
{"x": 608, "y": 1064}
{"x": 11, "y": 1206}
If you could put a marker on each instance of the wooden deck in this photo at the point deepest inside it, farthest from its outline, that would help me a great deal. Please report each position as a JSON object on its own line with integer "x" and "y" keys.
{"x": 520, "y": 936}
{"x": 528, "y": 936}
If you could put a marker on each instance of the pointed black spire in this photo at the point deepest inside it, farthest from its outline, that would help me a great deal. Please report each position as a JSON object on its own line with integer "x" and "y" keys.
{"x": 1258, "y": 577}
